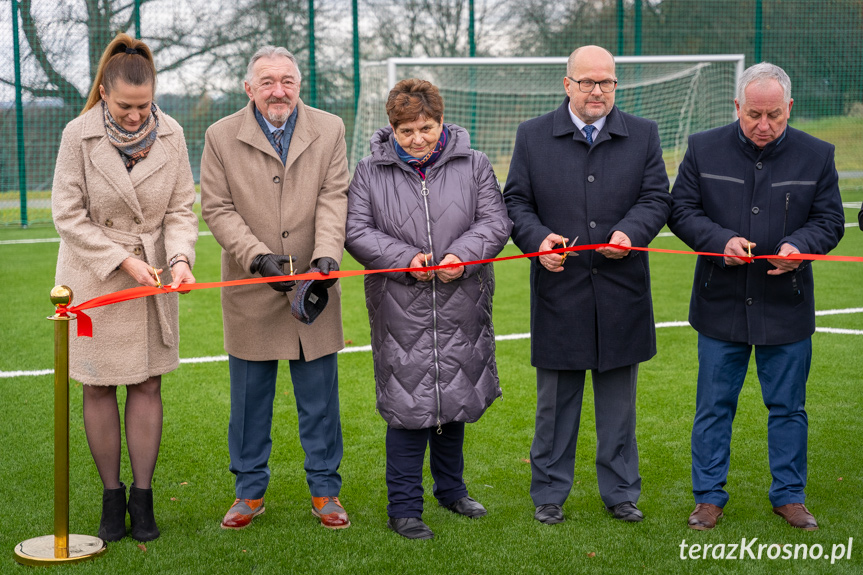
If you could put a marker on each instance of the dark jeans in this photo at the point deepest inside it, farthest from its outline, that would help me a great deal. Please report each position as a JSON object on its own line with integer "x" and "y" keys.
{"x": 782, "y": 371}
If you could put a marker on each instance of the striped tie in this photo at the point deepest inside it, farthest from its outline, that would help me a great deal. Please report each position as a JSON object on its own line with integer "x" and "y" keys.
{"x": 277, "y": 141}
{"x": 588, "y": 133}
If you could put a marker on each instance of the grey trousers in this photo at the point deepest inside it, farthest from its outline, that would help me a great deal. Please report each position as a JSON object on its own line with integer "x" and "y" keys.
{"x": 558, "y": 412}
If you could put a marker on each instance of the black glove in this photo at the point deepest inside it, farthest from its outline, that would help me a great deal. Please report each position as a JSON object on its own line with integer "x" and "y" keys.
{"x": 327, "y": 265}
{"x": 270, "y": 265}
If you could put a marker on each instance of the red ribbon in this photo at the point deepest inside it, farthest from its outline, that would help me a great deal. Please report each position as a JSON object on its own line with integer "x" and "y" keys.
{"x": 85, "y": 324}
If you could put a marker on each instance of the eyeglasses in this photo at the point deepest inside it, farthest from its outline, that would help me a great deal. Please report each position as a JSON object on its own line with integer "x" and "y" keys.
{"x": 586, "y": 86}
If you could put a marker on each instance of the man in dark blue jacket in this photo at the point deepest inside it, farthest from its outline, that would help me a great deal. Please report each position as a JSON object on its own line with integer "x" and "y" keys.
{"x": 588, "y": 171}
{"x": 755, "y": 187}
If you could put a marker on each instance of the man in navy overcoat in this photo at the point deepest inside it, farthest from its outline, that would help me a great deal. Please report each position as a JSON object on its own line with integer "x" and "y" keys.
{"x": 588, "y": 171}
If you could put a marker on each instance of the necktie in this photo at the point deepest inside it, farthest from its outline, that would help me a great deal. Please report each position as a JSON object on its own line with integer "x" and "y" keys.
{"x": 588, "y": 133}
{"x": 277, "y": 141}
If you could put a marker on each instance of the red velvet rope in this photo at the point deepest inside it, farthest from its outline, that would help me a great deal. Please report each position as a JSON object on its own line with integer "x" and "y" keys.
{"x": 85, "y": 324}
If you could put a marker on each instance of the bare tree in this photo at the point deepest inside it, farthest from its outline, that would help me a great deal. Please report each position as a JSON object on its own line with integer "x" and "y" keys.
{"x": 416, "y": 28}
{"x": 555, "y": 27}
{"x": 53, "y": 39}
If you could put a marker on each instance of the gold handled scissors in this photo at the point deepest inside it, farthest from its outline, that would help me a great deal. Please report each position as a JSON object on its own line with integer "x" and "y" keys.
{"x": 563, "y": 256}
{"x": 426, "y": 260}
{"x": 749, "y": 248}
{"x": 156, "y": 276}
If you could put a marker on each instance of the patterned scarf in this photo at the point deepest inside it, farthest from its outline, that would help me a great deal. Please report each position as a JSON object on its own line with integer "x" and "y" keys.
{"x": 133, "y": 146}
{"x": 420, "y": 164}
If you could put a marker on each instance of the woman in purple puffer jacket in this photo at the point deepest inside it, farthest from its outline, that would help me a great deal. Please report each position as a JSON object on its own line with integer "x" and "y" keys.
{"x": 424, "y": 198}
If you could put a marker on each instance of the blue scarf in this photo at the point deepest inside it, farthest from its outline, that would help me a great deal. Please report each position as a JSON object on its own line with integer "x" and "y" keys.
{"x": 420, "y": 164}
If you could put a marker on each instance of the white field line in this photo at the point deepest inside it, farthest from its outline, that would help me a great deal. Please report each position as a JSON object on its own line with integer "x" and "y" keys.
{"x": 208, "y": 233}
{"x": 57, "y": 240}
{"x": 512, "y": 336}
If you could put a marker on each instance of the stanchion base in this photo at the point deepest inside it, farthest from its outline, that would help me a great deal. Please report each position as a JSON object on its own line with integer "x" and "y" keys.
{"x": 40, "y": 550}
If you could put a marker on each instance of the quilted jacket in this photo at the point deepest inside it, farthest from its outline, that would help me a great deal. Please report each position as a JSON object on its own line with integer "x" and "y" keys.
{"x": 432, "y": 342}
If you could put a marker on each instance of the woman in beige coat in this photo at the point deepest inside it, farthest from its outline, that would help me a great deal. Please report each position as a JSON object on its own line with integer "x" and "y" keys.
{"x": 122, "y": 204}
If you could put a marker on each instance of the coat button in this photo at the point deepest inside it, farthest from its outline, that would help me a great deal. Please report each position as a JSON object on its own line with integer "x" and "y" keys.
{"x": 759, "y": 165}
{"x": 594, "y": 271}
{"x": 286, "y": 233}
{"x": 755, "y": 210}
{"x": 277, "y": 179}
{"x": 592, "y": 224}
{"x": 590, "y": 178}
{"x": 137, "y": 251}
{"x": 137, "y": 220}
{"x": 109, "y": 223}
{"x": 749, "y": 301}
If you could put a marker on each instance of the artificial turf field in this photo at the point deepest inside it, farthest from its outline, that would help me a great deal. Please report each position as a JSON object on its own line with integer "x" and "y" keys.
{"x": 193, "y": 487}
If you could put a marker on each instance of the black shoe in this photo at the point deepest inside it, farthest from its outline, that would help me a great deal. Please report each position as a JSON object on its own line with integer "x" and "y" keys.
{"x": 112, "y": 526}
{"x": 141, "y": 514}
{"x": 550, "y": 513}
{"x": 626, "y": 511}
{"x": 410, "y": 527}
{"x": 468, "y": 507}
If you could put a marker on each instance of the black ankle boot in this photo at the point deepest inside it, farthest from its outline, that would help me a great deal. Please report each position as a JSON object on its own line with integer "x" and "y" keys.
{"x": 141, "y": 514}
{"x": 112, "y": 526}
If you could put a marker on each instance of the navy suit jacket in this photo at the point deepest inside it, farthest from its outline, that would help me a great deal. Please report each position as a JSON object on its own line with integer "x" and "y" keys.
{"x": 786, "y": 193}
{"x": 597, "y": 313}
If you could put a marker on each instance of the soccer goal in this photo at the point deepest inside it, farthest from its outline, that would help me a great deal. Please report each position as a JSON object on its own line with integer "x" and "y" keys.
{"x": 490, "y": 97}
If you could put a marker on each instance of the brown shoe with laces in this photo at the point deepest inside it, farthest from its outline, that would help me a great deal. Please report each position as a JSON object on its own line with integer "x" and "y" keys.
{"x": 242, "y": 512}
{"x": 705, "y": 516}
{"x": 797, "y": 516}
{"x": 330, "y": 512}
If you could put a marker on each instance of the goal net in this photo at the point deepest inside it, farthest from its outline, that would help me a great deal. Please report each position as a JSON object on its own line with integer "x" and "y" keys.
{"x": 490, "y": 97}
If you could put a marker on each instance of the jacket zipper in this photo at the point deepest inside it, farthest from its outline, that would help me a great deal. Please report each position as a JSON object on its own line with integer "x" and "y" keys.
{"x": 785, "y": 221}
{"x": 425, "y": 193}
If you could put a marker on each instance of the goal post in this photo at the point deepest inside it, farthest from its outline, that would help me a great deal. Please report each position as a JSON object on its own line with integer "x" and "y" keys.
{"x": 490, "y": 97}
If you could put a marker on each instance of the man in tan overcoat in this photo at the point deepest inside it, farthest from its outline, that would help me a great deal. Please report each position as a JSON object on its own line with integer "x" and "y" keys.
{"x": 274, "y": 181}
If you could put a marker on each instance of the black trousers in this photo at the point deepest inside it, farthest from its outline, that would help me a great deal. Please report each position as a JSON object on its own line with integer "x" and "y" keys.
{"x": 405, "y": 454}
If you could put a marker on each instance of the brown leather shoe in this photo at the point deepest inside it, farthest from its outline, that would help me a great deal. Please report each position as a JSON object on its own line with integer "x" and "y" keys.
{"x": 797, "y": 516}
{"x": 704, "y": 516}
{"x": 331, "y": 512}
{"x": 242, "y": 512}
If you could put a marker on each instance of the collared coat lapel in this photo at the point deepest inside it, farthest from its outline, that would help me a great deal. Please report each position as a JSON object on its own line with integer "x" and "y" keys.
{"x": 107, "y": 161}
{"x": 250, "y": 132}
{"x": 304, "y": 134}
{"x": 156, "y": 159}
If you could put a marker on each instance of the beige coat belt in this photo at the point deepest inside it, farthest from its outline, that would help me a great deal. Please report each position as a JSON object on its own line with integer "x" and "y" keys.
{"x": 148, "y": 241}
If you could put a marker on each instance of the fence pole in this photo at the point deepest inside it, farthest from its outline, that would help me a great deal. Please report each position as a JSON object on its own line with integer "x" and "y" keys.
{"x": 471, "y": 30}
{"x": 620, "y": 22}
{"x": 60, "y": 547}
{"x": 313, "y": 76}
{"x": 637, "y": 49}
{"x": 356, "y": 26}
{"x": 758, "y": 31}
{"x": 19, "y": 116}
{"x": 136, "y": 12}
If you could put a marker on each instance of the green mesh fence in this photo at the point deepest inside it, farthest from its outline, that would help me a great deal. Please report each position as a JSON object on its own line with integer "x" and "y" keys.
{"x": 683, "y": 94}
{"x": 202, "y": 46}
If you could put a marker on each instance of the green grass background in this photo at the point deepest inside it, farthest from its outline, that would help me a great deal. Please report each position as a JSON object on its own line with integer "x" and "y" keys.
{"x": 193, "y": 487}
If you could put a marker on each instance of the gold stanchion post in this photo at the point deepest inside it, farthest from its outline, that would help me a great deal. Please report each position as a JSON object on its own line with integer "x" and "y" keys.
{"x": 61, "y": 547}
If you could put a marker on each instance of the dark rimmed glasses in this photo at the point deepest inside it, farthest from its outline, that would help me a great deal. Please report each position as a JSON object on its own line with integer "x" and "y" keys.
{"x": 586, "y": 86}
